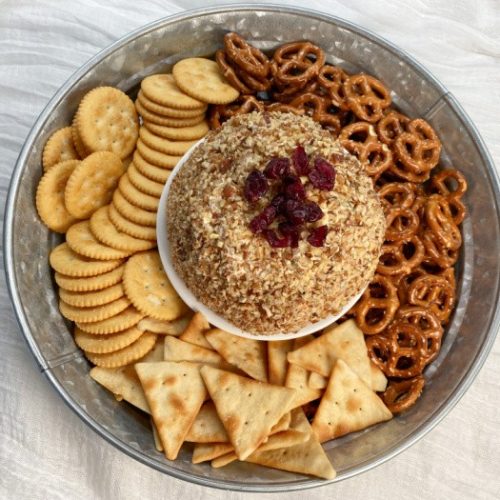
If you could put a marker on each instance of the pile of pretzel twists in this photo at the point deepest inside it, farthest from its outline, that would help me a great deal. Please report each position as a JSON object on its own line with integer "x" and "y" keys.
{"x": 412, "y": 296}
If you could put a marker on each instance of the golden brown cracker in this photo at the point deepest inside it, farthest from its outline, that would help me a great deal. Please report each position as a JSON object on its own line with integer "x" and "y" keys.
{"x": 157, "y": 174}
{"x": 92, "y": 283}
{"x": 122, "y": 321}
{"x": 106, "y": 120}
{"x": 58, "y": 148}
{"x": 149, "y": 289}
{"x": 125, "y": 356}
{"x": 93, "y": 314}
{"x": 162, "y": 89}
{"x": 167, "y": 111}
{"x": 77, "y": 142}
{"x": 82, "y": 241}
{"x": 202, "y": 79}
{"x": 65, "y": 261}
{"x": 163, "y": 145}
{"x": 129, "y": 227}
{"x": 193, "y": 133}
{"x": 156, "y": 157}
{"x": 136, "y": 197}
{"x": 92, "y": 299}
{"x": 92, "y": 183}
{"x": 167, "y": 121}
{"x": 106, "y": 232}
{"x": 131, "y": 212}
{"x": 144, "y": 184}
{"x": 50, "y": 196}
{"x": 103, "y": 344}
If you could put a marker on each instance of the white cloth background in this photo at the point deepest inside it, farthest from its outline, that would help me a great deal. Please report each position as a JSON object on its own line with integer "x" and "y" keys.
{"x": 45, "y": 450}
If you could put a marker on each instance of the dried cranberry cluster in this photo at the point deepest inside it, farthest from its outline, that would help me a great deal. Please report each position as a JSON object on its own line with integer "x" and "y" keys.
{"x": 289, "y": 208}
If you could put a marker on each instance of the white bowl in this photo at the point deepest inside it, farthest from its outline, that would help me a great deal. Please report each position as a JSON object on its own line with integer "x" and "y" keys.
{"x": 190, "y": 299}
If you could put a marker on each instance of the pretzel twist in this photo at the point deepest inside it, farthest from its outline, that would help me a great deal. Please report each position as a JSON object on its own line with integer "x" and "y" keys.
{"x": 391, "y": 126}
{"x": 248, "y": 58}
{"x": 367, "y": 97}
{"x": 377, "y": 306}
{"x": 401, "y": 257}
{"x": 402, "y": 395}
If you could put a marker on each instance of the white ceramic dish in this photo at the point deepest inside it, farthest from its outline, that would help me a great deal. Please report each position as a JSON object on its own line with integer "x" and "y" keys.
{"x": 191, "y": 300}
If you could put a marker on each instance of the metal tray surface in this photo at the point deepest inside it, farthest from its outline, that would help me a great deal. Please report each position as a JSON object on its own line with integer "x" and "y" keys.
{"x": 415, "y": 91}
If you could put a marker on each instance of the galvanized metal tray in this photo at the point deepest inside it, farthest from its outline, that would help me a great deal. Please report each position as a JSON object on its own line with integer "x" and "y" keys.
{"x": 156, "y": 47}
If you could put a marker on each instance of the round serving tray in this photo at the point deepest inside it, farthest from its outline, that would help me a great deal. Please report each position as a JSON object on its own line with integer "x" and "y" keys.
{"x": 156, "y": 47}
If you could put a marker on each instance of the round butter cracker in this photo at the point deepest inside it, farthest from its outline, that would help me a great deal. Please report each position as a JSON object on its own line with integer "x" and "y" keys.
{"x": 125, "y": 356}
{"x": 92, "y": 299}
{"x": 144, "y": 184}
{"x": 82, "y": 241}
{"x": 192, "y": 133}
{"x": 163, "y": 145}
{"x": 149, "y": 289}
{"x": 93, "y": 314}
{"x": 162, "y": 89}
{"x": 106, "y": 120}
{"x": 156, "y": 157}
{"x": 168, "y": 112}
{"x": 131, "y": 212}
{"x": 167, "y": 121}
{"x": 103, "y": 344}
{"x": 92, "y": 183}
{"x": 118, "y": 323}
{"x": 136, "y": 197}
{"x": 92, "y": 283}
{"x": 202, "y": 79}
{"x": 129, "y": 227}
{"x": 50, "y": 196}
{"x": 158, "y": 174}
{"x": 106, "y": 232}
{"x": 59, "y": 147}
{"x": 64, "y": 261}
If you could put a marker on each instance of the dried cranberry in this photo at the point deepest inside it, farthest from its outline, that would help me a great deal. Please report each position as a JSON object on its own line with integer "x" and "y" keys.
{"x": 317, "y": 236}
{"x": 300, "y": 161}
{"x": 295, "y": 212}
{"x": 293, "y": 188}
{"x": 275, "y": 241}
{"x": 277, "y": 168}
{"x": 288, "y": 229}
{"x": 313, "y": 211}
{"x": 255, "y": 186}
{"x": 278, "y": 203}
{"x": 262, "y": 221}
{"x": 323, "y": 175}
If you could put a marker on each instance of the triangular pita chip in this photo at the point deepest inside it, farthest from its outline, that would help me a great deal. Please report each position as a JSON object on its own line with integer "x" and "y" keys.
{"x": 317, "y": 381}
{"x": 345, "y": 341}
{"x": 161, "y": 327}
{"x": 208, "y": 451}
{"x": 298, "y": 379}
{"x": 195, "y": 331}
{"x": 348, "y": 405}
{"x": 123, "y": 383}
{"x": 283, "y": 439}
{"x": 156, "y": 354}
{"x": 248, "y": 409}
{"x": 156, "y": 438}
{"x": 283, "y": 423}
{"x": 379, "y": 380}
{"x": 306, "y": 458}
{"x": 276, "y": 360}
{"x": 175, "y": 393}
{"x": 248, "y": 355}
{"x": 207, "y": 427}
{"x": 178, "y": 350}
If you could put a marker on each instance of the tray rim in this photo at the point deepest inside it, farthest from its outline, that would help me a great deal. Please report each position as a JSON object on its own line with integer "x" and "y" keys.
{"x": 9, "y": 266}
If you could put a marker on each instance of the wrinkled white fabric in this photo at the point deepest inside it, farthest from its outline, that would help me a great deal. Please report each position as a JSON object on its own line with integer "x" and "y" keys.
{"x": 45, "y": 450}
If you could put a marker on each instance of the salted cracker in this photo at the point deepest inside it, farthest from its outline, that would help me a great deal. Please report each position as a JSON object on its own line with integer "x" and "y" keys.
{"x": 59, "y": 147}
